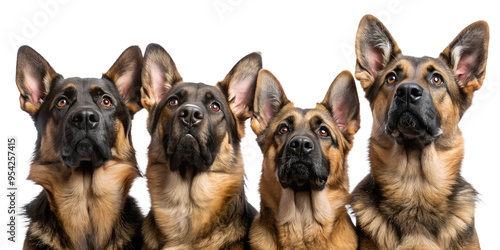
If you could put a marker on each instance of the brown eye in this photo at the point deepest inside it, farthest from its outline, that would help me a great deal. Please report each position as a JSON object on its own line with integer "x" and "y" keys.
{"x": 284, "y": 129}
{"x": 391, "y": 78}
{"x": 106, "y": 102}
{"x": 436, "y": 79}
{"x": 215, "y": 107}
{"x": 323, "y": 132}
{"x": 62, "y": 102}
{"x": 173, "y": 102}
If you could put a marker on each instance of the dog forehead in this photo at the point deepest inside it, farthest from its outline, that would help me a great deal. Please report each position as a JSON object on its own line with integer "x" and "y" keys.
{"x": 289, "y": 115}
{"x": 305, "y": 118}
{"x": 197, "y": 91}
{"x": 84, "y": 86}
{"x": 418, "y": 66}
{"x": 318, "y": 115}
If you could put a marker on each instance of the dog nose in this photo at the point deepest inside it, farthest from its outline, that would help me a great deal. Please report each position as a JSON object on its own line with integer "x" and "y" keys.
{"x": 85, "y": 119}
{"x": 191, "y": 115}
{"x": 301, "y": 145}
{"x": 409, "y": 92}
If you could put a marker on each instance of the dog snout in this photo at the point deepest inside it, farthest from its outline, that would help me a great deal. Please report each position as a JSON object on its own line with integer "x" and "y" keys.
{"x": 409, "y": 92}
{"x": 301, "y": 145}
{"x": 191, "y": 115}
{"x": 85, "y": 119}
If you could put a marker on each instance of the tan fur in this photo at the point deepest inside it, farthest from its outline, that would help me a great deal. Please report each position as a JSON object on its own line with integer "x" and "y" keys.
{"x": 414, "y": 196}
{"x": 185, "y": 209}
{"x": 194, "y": 208}
{"x": 425, "y": 185}
{"x": 84, "y": 203}
{"x": 309, "y": 219}
{"x": 187, "y": 212}
{"x": 87, "y": 204}
{"x": 316, "y": 220}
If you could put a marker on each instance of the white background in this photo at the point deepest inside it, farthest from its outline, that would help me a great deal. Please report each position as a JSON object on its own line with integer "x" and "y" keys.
{"x": 305, "y": 44}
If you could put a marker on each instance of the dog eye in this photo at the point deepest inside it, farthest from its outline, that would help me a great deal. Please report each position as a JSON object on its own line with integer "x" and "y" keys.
{"x": 173, "y": 102}
{"x": 323, "y": 132}
{"x": 215, "y": 107}
{"x": 436, "y": 79}
{"x": 106, "y": 102}
{"x": 391, "y": 78}
{"x": 284, "y": 129}
{"x": 62, "y": 102}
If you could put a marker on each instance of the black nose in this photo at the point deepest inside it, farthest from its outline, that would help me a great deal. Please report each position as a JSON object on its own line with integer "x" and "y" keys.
{"x": 191, "y": 115}
{"x": 85, "y": 119}
{"x": 409, "y": 92}
{"x": 301, "y": 145}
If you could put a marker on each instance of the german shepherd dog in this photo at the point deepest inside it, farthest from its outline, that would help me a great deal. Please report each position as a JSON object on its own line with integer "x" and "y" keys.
{"x": 84, "y": 158}
{"x": 414, "y": 196}
{"x": 304, "y": 185}
{"x": 195, "y": 168}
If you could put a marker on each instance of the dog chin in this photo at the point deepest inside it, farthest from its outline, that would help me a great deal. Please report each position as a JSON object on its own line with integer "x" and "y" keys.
{"x": 409, "y": 128}
{"x": 85, "y": 153}
{"x": 186, "y": 152}
{"x": 300, "y": 177}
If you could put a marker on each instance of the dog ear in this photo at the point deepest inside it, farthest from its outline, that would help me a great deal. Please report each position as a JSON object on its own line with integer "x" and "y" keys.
{"x": 343, "y": 103}
{"x": 34, "y": 77}
{"x": 467, "y": 54}
{"x": 159, "y": 74}
{"x": 270, "y": 98}
{"x": 375, "y": 48}
{"x": 126, "y": 74}
{"x": 239, "y": 85}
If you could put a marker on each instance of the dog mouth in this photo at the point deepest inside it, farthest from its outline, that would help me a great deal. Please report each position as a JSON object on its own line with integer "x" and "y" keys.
{"x": 410, "y": 126}
{"x": 188, "y": 153}
{"x": 302, "y": 176}
{"x": 86, "y": 148}
{"x": 85, "y": 152}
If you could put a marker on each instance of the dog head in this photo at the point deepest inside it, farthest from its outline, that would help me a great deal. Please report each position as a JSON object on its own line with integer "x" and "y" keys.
{"x": 79, "y": 120}
{"x": 306, "y": 149}
{"x": 419, "y": 99}
{"x": 191, "y": 122}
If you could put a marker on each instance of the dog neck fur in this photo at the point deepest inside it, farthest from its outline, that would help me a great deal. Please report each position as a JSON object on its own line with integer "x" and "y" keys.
{"x": 185, "y": 208}
{"x": 301, "y": 219}
{"x": 409, "y": 169}
{"x": 419, "y": 178}
{"x": 87, "y": 203}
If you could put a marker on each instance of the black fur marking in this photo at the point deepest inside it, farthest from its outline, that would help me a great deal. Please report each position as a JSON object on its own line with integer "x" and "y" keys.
{"x": 193, "y": 149}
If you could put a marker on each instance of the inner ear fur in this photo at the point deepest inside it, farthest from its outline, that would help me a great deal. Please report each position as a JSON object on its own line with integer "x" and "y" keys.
{"x": 342, "y": 101}
{"x": 34, "y": 77}
{"x": 269, "y": 99}
{"x": 126, "y": 74}
{"x": 159, "y": 75}
{"x": 375, "y": 49}
{"x": 239, "y": 85}
{"x": 467, "y": 55}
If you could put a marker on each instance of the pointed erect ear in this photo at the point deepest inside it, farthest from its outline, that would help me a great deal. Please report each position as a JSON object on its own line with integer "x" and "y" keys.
{"x": 375, "y": 48}
{"x": 467, "y": 55}
{"x": 34, "y": 77}
{"x": 270, "y": 98}
{"x": 343, "y": 103}
{"x": 239, "y": 85}
{"x": 159, "y": 74}
{"x": 126, "y": 74}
